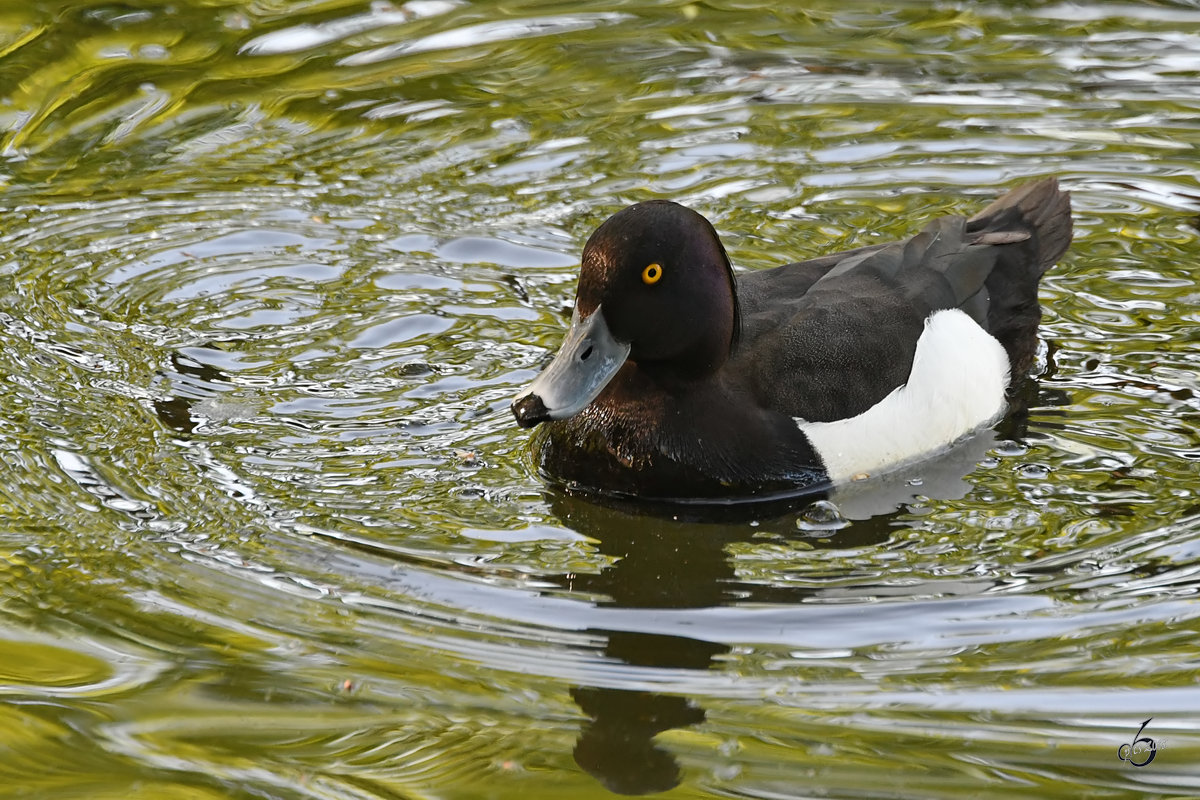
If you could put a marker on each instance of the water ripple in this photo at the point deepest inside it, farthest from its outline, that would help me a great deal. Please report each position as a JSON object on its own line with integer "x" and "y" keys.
{"x": 269, "y": 277}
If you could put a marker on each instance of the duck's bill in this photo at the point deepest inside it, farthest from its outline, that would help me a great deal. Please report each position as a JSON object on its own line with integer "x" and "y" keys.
{"x": 586, "y": 362}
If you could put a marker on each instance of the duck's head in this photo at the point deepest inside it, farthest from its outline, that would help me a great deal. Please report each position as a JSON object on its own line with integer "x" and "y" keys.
{"x": 655, "y": 288}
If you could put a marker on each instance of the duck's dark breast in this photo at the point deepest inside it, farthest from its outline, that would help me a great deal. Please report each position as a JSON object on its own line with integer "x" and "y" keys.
{"x": 703, "y": 442}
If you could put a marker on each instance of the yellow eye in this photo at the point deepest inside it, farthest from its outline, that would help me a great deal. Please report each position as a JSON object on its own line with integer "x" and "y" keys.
{"x": 651, "y": 274}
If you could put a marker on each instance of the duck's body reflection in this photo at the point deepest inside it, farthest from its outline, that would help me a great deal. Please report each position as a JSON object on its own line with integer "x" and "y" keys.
{"x": 659, "y": 563}
{"x": 665, "y": 562}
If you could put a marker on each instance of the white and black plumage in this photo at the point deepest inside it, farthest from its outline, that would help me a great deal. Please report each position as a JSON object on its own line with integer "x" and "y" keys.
{"x": 678, "y": 380}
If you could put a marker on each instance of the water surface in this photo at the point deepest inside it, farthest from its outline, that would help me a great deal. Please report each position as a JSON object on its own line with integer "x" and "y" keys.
{"x": 270, "y": 273}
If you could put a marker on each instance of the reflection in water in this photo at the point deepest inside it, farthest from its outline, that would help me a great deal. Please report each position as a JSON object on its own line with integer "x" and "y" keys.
{"x": 617, "y": 745}
{"x": 196, "y": 381}
{"x": 661, "y": 563}
{"x": 270, "y": 272}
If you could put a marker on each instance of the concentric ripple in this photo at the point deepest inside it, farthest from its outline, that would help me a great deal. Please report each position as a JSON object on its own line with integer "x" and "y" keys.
{"x": 270, "y": 274}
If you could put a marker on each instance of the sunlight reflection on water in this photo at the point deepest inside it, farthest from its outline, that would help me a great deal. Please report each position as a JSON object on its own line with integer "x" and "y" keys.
{"x": 270, "y": 277}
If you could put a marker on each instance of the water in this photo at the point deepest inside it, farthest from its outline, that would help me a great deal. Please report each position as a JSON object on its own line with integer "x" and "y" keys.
{"x": 270, "y": 272}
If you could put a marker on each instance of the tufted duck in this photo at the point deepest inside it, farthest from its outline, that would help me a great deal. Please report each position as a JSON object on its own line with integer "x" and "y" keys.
{"x": 680, "y": 380}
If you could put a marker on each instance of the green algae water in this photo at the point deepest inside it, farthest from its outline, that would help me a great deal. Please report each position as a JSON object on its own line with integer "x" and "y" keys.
{"x": 271, "y": 271}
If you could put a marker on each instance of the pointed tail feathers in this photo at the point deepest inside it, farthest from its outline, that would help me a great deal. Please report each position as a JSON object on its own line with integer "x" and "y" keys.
{"x": 1039, "y": 210}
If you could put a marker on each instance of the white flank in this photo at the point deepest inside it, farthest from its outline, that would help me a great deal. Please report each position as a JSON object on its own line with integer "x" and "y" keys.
{"x": 957, "y": 384}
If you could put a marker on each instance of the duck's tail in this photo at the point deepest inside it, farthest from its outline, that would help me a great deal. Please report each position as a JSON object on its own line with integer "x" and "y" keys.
{"x": 1033, "y": 225}
{"x": 1038, "y": 209}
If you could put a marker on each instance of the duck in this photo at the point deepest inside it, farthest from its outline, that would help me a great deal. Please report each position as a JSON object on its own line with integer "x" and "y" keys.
{"x": 680, "y": 379}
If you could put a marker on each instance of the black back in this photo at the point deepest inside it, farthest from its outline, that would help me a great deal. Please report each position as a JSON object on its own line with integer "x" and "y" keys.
{"x": 829, "y": 338}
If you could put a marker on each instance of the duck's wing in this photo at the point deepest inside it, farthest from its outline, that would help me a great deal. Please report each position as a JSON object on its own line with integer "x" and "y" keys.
{"x": 759, "y": 290}
{"x": 847, "y": 340}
